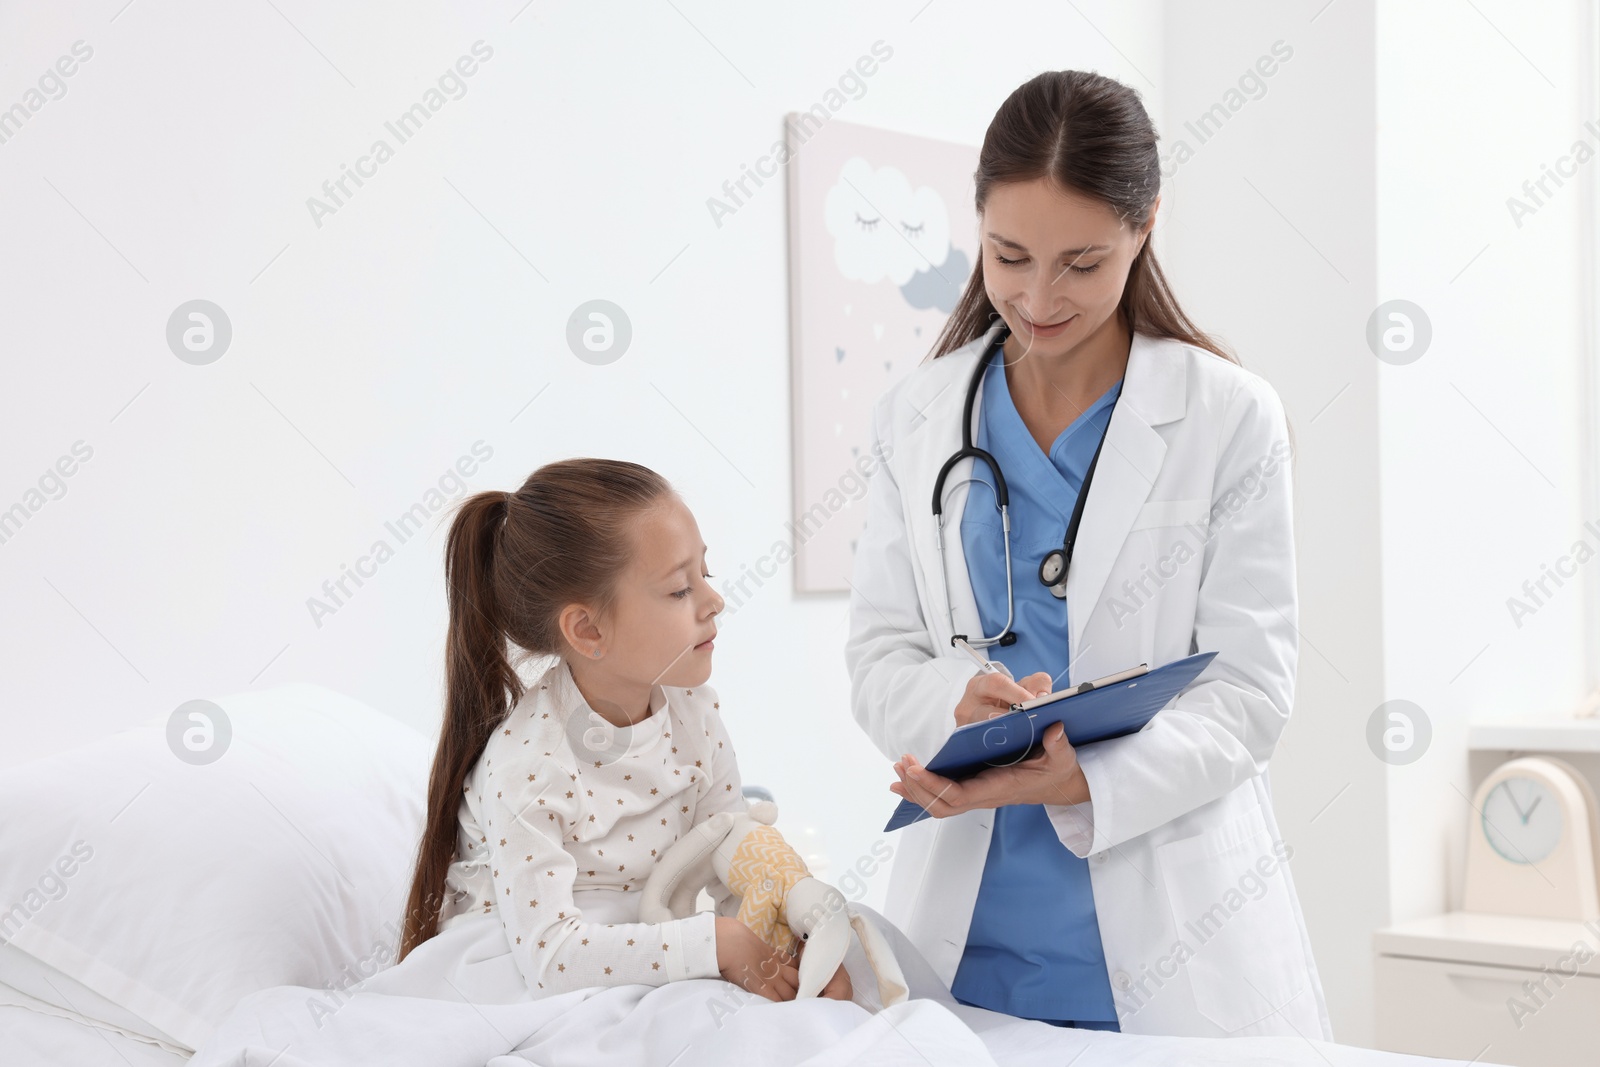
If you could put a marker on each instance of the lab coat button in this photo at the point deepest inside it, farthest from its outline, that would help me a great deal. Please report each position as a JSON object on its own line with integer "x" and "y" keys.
{"x": 1098, "y": 857}
{"x": 1122, "y": 980}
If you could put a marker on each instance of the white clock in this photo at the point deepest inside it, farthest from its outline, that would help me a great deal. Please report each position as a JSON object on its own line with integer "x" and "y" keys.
{"x": 1521, "y": 819}
{"x": 1532, "y": 846}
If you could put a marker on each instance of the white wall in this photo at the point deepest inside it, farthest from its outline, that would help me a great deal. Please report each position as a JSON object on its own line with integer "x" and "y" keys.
{"x": 1481, "y": 436}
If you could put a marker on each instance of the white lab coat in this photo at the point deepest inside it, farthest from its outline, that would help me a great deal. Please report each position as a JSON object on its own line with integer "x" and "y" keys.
{"x": 1202, "y": 929}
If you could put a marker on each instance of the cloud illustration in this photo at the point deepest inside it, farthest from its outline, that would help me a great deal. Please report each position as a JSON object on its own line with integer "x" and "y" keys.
{"x": 939, "y": 287}
{"x": 882, "y": 227}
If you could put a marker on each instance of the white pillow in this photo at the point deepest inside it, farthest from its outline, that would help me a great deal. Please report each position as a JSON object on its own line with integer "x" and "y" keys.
{"x": 174, "y": 889}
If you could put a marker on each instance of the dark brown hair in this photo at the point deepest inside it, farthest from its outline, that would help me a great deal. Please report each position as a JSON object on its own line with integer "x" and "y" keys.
{"x": 1089, "y": 134}
{"x": 511, "y": 563}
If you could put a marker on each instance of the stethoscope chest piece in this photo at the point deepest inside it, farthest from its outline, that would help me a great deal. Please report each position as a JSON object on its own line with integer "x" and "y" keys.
{"x": 1053, "y": 572}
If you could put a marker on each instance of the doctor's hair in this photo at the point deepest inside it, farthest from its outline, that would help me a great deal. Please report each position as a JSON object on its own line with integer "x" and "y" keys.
{"x": 1091, "y": 135}
{"x": 512, "y": 562}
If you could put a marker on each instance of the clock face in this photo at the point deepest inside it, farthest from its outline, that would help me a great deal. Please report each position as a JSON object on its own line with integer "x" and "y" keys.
{"x": 1522, "y": 820}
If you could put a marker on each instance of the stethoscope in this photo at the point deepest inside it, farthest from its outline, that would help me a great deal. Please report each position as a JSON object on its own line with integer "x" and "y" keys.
{"x": 1053, "y": 568}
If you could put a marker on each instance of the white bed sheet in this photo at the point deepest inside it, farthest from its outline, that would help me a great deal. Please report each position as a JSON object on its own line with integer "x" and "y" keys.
{"x": 458, "y": 1001}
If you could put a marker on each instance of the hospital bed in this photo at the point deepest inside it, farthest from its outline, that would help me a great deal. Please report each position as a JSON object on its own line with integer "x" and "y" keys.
{"x": 248, "y": 908}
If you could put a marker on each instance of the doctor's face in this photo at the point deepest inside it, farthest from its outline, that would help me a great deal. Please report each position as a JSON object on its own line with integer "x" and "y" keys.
{"x": 1054, "y": 262}
{"x": 663, "y": 618}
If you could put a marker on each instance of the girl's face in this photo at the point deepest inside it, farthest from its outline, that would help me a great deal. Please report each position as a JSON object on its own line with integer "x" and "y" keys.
{"x": 662, "y": 622}
{"x": 1054, "y": 262}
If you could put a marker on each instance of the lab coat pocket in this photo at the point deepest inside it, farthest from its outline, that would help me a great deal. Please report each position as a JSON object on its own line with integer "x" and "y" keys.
{"x": 1230, "y": 904}
{"x": 1171, "y": 513}
{"x": 1154, "y": 586}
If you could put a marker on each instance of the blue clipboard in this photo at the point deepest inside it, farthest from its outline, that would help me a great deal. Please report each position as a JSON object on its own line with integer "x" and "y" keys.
{"x": 1110, "y": 710}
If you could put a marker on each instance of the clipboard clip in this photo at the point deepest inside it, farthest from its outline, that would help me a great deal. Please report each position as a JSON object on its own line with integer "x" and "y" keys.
{"x": 1082, "y": 687}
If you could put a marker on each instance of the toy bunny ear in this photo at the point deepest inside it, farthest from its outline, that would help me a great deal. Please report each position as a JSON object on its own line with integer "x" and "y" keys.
{"x": 683, "y": 870}
{"x": 892, "y": 988}
{"x": 826, "y": 944}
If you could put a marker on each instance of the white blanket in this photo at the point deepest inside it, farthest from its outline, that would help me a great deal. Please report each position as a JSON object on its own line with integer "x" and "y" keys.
{"x": 459, "y": 1001}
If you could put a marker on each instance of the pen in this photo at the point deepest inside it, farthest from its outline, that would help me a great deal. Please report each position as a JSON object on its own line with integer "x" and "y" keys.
{"x": 986, "y": 666}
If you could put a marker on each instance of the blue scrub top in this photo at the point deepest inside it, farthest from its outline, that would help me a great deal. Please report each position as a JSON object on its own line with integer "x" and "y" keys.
{"x": 1033, "y": 950}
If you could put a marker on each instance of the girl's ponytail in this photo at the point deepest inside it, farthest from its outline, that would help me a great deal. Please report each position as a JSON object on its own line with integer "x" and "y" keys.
{"x": 481, "y": 684}
{"x": 512, "y": 562}
{"x": 480, "y": 687}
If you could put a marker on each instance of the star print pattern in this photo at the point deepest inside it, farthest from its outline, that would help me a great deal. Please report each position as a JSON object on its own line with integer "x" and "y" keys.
{"x": 606, "y": 832}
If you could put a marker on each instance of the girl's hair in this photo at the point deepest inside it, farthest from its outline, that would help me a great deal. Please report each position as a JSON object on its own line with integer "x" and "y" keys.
{"x": 1091, "y": 135}
{"x": 512, "y": 562}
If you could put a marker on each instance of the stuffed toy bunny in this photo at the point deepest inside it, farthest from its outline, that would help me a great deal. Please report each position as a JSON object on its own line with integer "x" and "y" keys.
{"x": 740, "y": 855}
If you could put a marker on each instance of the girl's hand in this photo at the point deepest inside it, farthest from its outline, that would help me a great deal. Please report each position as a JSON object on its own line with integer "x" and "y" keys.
{"x": 992, "y": 694}
{"x": 1050, "y": 777}
{"x": 838, "y": 987}
{"x": 753, "y": 965}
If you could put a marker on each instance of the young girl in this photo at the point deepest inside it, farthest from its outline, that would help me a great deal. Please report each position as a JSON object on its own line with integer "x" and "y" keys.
{"x": 548, "y": 807}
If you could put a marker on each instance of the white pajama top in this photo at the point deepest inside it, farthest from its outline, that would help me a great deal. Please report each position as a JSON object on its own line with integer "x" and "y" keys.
{"x": 565, "y": 814}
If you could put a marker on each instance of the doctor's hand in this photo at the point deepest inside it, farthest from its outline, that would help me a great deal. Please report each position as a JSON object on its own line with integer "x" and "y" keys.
{"x": 1051, "y": 776}
{"x": 993, "y": 694}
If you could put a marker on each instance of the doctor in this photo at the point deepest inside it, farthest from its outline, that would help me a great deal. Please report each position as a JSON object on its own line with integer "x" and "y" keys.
{"x": 1140, "y": 883}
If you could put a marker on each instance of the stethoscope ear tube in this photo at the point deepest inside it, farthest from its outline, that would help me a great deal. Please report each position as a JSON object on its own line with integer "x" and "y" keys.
{"x": 1002, "y": 497}
{"x": 1057, "y": 562}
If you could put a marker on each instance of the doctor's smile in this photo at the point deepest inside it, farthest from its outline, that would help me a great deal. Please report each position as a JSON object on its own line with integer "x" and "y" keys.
{"x": 1038, "y": 330}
